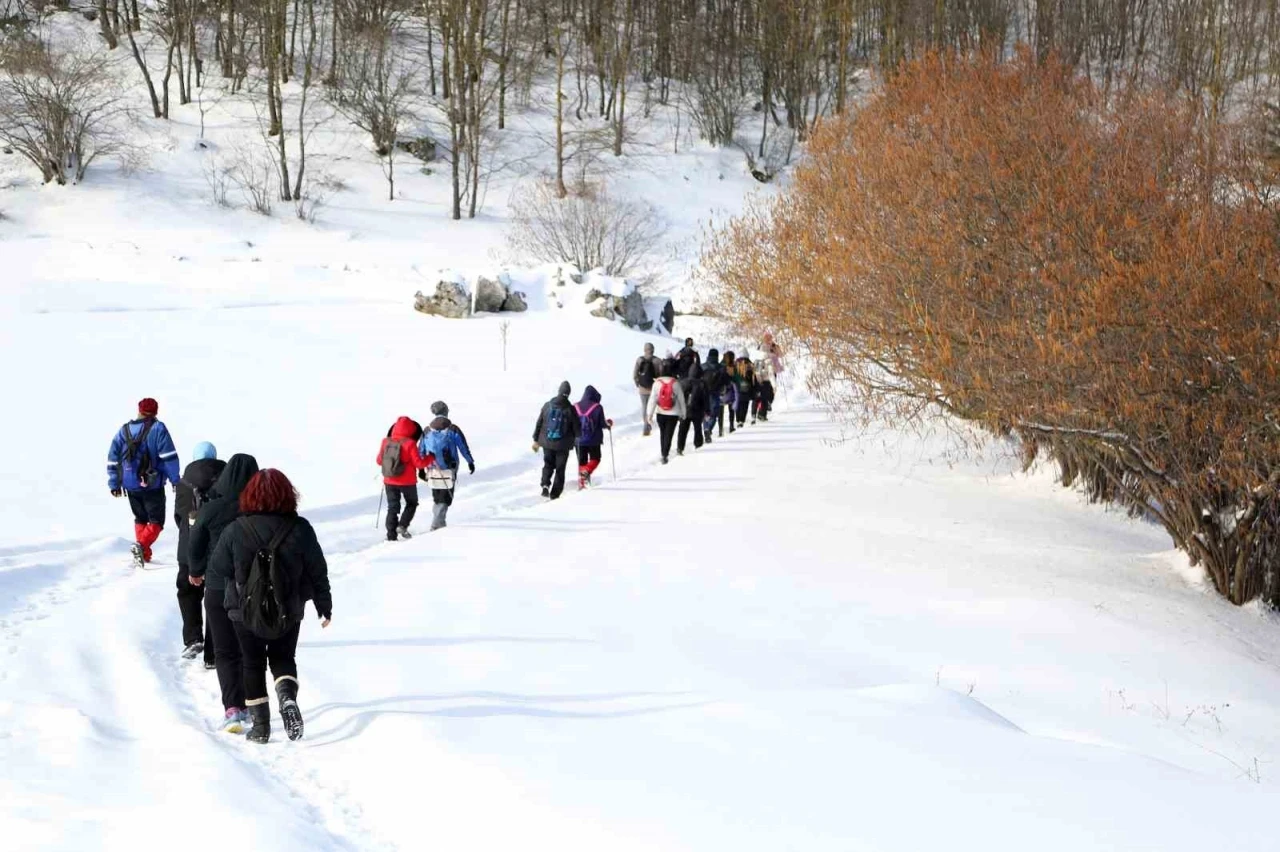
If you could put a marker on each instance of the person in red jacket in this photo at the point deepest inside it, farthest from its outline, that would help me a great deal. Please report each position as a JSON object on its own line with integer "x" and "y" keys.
{"x": 400, "y": 461}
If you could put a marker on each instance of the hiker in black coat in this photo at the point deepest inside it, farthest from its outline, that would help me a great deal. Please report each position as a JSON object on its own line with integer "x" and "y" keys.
{"x": 269, "y": 521}
{"x": 189, "y": 492}
{"x": 211, "y": 519}
{"x": 556, "y": 434}
{"x": 695, "y": 395}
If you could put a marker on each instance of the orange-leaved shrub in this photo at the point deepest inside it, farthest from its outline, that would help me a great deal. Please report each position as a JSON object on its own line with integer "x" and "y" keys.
{"x": 1095, "y": 275}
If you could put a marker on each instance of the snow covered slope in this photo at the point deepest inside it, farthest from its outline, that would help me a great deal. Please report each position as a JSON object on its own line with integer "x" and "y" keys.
{"x": 782, "y": 642}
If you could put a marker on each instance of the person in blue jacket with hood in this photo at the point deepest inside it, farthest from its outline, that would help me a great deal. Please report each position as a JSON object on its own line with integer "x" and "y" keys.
{"x": 141, "y": 460}
{"x": 447, "y": 443}
{"x": 590, "y": 440}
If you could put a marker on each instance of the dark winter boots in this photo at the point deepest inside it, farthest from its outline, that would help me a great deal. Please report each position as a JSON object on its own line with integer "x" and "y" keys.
{"x": 260, "y": 716}
{"x": 287, "y": 692}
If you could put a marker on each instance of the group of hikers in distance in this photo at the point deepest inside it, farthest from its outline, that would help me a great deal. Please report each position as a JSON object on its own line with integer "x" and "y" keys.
{"x": 248, "y": 563}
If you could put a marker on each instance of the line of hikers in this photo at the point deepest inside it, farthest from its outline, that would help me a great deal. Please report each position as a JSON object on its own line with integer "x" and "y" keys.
{"x": 683, "y": 393}
{"x": 245, "y": 557}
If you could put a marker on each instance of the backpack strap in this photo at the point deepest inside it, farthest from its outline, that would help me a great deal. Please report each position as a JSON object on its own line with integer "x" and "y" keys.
{"x": 278, "y": 538}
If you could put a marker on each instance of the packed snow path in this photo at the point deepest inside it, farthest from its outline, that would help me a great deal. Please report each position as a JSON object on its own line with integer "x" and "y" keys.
{"x": 784, "y": 641}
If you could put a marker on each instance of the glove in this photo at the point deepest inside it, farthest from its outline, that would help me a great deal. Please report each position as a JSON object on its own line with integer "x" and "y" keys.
{"x": 608, "y": 424}
{"x": 422, "y": 474}
{"x": 471, "y": 467}
{"x": 116, "y": 492}
{"x": 536, "y": 447}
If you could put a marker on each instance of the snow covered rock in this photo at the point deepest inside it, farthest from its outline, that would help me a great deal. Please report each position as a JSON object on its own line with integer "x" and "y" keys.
{"x": 633, "y": 312}
{"x": 491, "y": 295}
{"x": 515, "y": 302}
{"x": 451, "y": 299}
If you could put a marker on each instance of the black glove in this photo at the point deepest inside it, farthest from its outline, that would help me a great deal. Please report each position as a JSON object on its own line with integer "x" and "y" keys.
{"x": 471, "y": 467}
{"x": 422, "y": 474}
{"x": 116, "y": 492}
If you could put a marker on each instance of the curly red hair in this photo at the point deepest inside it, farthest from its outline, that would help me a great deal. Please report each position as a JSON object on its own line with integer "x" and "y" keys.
{"x": 269, "y": 491}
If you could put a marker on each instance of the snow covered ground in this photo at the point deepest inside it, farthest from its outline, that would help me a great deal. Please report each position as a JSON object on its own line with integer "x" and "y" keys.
{"x": 799, "y": 638}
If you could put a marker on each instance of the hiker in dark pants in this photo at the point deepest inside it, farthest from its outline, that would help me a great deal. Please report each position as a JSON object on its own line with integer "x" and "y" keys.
{"x": 400, "y": 462}
{"x": 556, "y": 434}
{"x": 668, "y": 403}
{"x": 192, "y": 491}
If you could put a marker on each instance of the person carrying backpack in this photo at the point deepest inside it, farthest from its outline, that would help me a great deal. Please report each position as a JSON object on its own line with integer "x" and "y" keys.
{"x": 745, "y": 377}
{"x": 400, "y": 462}
{"x": 728, "y": 393}
{"x": 591, "y": 435}
{"x": 668, "y": 403}
{"x": 556, "y": 434}
{"x": 446, "y": 446}
{"x": 711, "y": 378}
{"x": 212, "y": 519}
{"x": 686, "y": 358}
{"x": 695, "y": 396}
{"x": 276, "y": 566}
{"x": 644, "y": 375}
{"x": 191, "y": 492}
{"x": 763, "y": 403}
{"x": 141, "y": 459}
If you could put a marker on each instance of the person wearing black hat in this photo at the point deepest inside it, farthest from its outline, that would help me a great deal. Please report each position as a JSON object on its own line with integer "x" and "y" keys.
{"x": 556, "y": 434}
{"x": 444, "y": 442}
{"x": 141, "y": 459}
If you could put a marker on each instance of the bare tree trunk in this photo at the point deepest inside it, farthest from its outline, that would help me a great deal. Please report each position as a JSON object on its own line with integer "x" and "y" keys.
{"x": 107, "y": 27}
{"x": 562, "y": 45}
{"x": 146, "y": 73}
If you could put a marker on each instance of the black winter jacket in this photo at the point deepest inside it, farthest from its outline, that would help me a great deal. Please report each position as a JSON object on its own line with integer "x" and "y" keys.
{"x": 214, "y": 516}
{"x": 573, "y": 426}
{"x": 299, "y": 554}
{"x": 695, "y": 398}
{"x": 199, "y": 476}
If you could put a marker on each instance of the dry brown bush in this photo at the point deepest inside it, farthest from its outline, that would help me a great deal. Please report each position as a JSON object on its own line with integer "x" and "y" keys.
{"x": 1097, "y": 276}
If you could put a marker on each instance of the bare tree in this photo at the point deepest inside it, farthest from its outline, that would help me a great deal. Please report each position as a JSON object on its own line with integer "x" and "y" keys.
{"x": 60, "y": 110}
{"x": 376, "y": 92}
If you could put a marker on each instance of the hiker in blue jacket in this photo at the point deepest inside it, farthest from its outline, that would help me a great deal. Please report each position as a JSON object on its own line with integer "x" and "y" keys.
{"x": 446, "y": 442}
{"x": 594, "y": 423}
{"x": 141, "y": 459}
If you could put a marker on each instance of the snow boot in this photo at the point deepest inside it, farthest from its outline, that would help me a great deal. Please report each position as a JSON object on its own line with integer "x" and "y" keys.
{"x": 235, "y": 720}
{"x": 439, "y": 512}
{"x": 260, "y": 716}
{"x": 193, "y": 650}
{"x": 403, "y": 532}
{"x": 287, "y": 692}
{"x": 209, "y": 665}
{"x": 648, "y": 430}
{"x": 665, "y": 460}
{"x": 546, "y": 492}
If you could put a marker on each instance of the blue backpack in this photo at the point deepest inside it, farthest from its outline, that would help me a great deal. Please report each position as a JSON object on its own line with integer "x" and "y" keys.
{"x": 556, "y": 422}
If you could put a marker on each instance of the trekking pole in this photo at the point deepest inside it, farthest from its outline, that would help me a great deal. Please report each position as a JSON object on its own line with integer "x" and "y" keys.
{"x": 613, "y": 459}
{"x": 378, "y": 516}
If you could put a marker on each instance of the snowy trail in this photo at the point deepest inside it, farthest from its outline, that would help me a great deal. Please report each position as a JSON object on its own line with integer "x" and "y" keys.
{"x": 589, "y": 674}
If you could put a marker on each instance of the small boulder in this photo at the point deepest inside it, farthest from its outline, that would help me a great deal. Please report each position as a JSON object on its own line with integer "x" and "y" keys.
{"x": 515, "y": 302}
{"x": 632, "y": 310}
{"x": 605, "y": 310}
{"x": 451, "y": 299}
{"x": 422, "y": 148}
{"x": 490, "y": 295}
{"x": 592, "y": 295}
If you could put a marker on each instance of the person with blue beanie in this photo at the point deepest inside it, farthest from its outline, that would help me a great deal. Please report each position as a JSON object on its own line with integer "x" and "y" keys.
{"x": 191, "y": 491}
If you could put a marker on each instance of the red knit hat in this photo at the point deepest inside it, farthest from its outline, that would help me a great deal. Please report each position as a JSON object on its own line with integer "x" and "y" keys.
{"x": 148, "y": 407}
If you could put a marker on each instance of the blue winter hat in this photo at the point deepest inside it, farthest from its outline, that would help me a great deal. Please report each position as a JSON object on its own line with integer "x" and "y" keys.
{"x": 205, "y": 450}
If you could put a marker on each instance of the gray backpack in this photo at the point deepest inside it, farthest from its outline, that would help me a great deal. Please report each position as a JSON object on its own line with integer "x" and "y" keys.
{"x": 392, "y": 463}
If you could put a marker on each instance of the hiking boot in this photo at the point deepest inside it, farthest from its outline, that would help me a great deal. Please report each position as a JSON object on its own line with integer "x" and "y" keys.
{"x": 679, "y": 452}
{"x": 648, "y": 430}
{"x": 209, "y": 665}
{"x": 582, "y": 483}
{"x": 136, "y": 553}
{"x": 287, "y": 692}
{"x": 235, "y": 720}
{"x": 546, "y": 492}
{"x": 193, "y": 650}
{"x": 706, "y": 440}
{"x": 665, "y": 460}
{"x": 260, "y": 716}
{"x": 404, "y": 533}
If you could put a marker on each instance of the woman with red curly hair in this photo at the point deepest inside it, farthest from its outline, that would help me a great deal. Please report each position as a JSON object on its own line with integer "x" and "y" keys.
{"x": 269, "y": 523}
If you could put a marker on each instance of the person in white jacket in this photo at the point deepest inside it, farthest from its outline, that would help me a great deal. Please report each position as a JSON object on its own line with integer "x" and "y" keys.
{"x": 668, "y": 402}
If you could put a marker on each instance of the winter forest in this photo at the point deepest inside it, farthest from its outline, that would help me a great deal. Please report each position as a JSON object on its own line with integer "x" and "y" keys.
{"x": 639, "y": 425}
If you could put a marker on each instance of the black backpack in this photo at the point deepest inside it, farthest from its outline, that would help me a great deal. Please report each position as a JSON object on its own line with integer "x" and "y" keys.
{"x": 135, "y": 455}
{"x": 646, "y": 372}
{"x": 392, "y": 463}
{"x": 266, "y": 591}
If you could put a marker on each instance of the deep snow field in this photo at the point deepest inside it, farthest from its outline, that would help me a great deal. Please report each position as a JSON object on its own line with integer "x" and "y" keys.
{"x": 803, "y": 637}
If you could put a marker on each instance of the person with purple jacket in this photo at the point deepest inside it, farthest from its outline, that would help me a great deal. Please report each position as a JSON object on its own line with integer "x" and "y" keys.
{"x": 590, "y": 441}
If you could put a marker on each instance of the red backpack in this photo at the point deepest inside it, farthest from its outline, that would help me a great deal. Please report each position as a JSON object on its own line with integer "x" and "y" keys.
{"x": 667, "y": 395}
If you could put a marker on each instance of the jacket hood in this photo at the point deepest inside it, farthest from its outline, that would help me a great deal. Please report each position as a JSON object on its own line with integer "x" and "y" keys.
{"x": 404, "y": 428}
{"x": 590, "y": 396}
{"x": 713, "y": 357}
{"x": 440, "y": 424}
{"x": 236, "y": 475}
{"x": 565, "y": 390}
